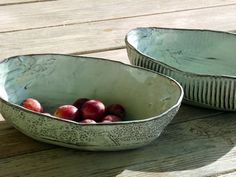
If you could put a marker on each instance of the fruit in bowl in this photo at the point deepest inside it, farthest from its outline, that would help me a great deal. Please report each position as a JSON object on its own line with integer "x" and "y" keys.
{"x": 116, "y": 109}
{"x": 93, "y": 109}
{"x": 66, "y": 112}
{"x": 83, "y": 110}
{"x": 80, "y": 102}
{"x": 88, "y": 121}
{"x": 111, "y": 118}
{"x": 150, "y": 100}
{"x": 32, "y": 104}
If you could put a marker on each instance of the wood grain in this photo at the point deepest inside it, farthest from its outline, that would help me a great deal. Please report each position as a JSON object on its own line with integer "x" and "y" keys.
{"x": 201, "y": 147}
{"x": 107, "y": 35}
{"x": 64, "y": 12}
{"x": 198, "y": 142}
{"x": 17, "y": 2}
{"x": 116, "y": 55}
{"x": 14, "y": 143}
{"x": 1, "y": 118}
{"x": 229, "y": 174}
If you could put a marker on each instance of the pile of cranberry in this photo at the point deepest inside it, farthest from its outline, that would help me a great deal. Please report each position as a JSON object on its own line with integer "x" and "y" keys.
{"x": 83, "y": 110}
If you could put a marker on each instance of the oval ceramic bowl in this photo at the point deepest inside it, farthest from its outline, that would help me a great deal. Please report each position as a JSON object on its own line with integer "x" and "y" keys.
{"x": 202, "y": 61}
{"x": 151, "y": 100}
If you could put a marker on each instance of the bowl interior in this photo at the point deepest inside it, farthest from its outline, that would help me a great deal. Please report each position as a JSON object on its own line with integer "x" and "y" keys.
{"x": 59, "y": 79}
{"x": 195, "y": 51}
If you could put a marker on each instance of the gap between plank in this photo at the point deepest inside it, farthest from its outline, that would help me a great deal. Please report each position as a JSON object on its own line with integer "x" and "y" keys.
{"x": 29, "y": 2}
{"x": 198, "y": 118}
{"x": 97, "y": 50}
{"x": 111, "y": 19}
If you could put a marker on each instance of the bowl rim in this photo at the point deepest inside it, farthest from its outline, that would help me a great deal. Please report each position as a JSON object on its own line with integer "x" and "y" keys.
{"x": 153, "y": 59}
{"x": 21, "y": 108}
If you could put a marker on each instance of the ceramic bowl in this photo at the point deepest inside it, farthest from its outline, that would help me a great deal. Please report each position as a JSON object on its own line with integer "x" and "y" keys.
{"x": 151, "y": 100}
{"x": 202, "y": 61}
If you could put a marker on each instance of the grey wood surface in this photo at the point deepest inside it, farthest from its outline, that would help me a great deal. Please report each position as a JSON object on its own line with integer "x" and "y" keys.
{"x": 198, "y": 142}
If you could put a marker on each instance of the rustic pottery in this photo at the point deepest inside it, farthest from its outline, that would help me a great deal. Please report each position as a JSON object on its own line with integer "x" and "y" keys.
{"x": 202, "y": 61}
{"x": 151, "y": 100}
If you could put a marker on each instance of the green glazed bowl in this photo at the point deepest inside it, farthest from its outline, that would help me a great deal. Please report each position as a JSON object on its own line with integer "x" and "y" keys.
{"x": 202, "y": 61}
{"x": 151, "y": 100}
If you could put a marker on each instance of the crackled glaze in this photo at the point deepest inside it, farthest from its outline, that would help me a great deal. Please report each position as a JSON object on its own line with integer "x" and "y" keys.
{"x": 202, "y": 61}
{"x": 151, "y": 100}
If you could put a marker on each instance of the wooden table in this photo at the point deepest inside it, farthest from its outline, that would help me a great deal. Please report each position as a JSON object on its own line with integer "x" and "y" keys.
{"x": 198, "y": 142}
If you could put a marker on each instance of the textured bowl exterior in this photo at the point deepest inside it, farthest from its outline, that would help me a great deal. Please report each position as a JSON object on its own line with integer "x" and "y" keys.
{"x": 103, "y": 137}
{"x": 209, "y": 91}
{"x": 95, "y": 137}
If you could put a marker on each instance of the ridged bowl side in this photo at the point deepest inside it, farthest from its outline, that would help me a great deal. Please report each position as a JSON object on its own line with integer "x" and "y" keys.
{"x": 216, "y": 92}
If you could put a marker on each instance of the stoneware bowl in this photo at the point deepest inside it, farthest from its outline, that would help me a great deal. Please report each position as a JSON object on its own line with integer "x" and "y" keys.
{"x": 151, "y": 100}
{"x": 202, "y": 61}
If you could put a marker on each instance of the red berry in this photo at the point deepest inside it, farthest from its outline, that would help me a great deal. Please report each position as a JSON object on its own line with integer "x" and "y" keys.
{"x": 111, "y": 118}
{"x": 116, "y": 109}
{"x": 88, "y": 121}
{"x": 93, "y": 109}
{"x": 33, "y": 105}
{"x": 80, "y": 102}
{"x": 66, "y": 112}
{"x": 106, "y": 121}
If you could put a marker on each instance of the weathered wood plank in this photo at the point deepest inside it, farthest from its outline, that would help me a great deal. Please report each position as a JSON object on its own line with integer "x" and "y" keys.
{"x": 194, "y": 144}
{"x": 17, "y": 2}
{"x": 14, "y": 143}
{"x": 117, "y": 55}
{"x": 1, "y": 118}
{"x": 63, "y": 12}
{"x": 108, "y": 35}
{"x": 201, "y": 147}
{"x": 229, "y": 174}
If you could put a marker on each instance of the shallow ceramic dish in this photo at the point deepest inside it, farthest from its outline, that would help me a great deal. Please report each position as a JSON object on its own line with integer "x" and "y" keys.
{"x": 202, "y": 61}
{"x": 151, "y": 100}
